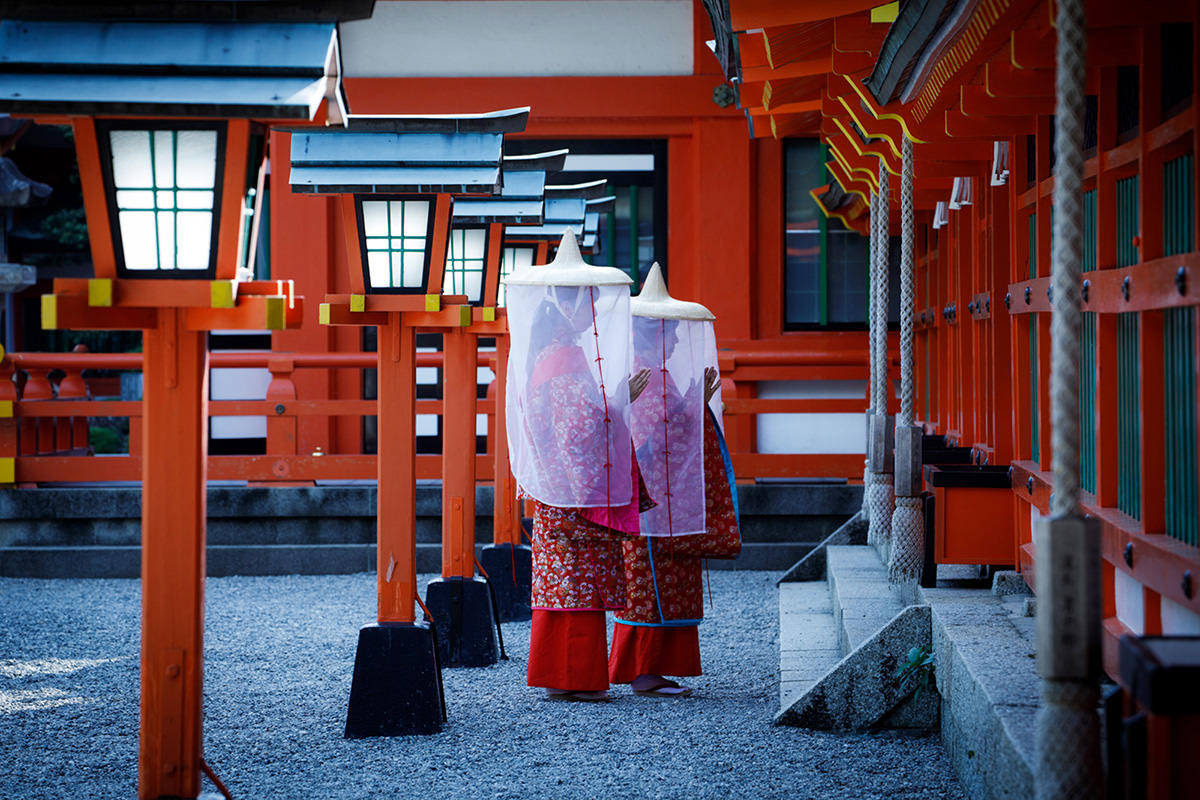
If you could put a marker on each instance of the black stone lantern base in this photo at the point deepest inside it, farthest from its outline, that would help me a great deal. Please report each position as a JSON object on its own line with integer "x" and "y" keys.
{"x": 397, "y": 687}
{"x": 465, "y": 622}
{"x": 510, "y": 569}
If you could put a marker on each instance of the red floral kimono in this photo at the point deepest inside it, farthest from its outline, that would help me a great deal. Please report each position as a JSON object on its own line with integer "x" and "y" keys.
{"x": 577, "y": 562}
{"x": 656, "y": 633}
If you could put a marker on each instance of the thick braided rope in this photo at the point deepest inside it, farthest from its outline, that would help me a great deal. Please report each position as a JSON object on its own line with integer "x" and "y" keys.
{"x": 1067, "y": 257}
{"x": 872, "y": 309}
{"x": 1068, "y": 742}
{"x": 881, "y": 290}
{"x": 907, "y": 557}
{"x": 880, "y": 488}
{"x": 907, "y": 288}
{"x": 908, "y": 541}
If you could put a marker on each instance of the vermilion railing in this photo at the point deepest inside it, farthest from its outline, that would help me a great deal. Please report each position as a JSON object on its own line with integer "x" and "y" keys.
{"x": 47, "y": 431}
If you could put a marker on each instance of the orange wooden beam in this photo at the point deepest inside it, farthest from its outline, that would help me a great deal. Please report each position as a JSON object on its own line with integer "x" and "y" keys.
{"x": 749, "y": 14}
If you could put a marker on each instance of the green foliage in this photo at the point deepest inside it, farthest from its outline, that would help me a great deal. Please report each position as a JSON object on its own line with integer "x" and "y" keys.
{"x": 104, "y": 439}
{"x": 920, "y": 666}
{"x": 68, "y": 227}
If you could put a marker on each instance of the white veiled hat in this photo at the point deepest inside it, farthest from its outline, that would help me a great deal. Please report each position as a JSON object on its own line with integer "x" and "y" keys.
{"x": 654, "y": 302}
{"x": 568, "y": 269}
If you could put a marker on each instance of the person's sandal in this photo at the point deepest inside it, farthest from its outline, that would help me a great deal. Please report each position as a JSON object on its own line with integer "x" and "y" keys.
{"x": 663, "y": 687}
{"x": 578, "y": 697}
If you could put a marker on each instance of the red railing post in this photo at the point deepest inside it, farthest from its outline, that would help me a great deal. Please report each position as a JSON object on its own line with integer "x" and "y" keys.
{"x": 72, "y": 432}
{"x": 37, "y": 435}
{"x": 8, "y": 422}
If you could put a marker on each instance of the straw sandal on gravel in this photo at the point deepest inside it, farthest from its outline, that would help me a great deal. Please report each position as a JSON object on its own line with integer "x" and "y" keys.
{"x": 660, "y": 687}
{"x": 577, "y": 697}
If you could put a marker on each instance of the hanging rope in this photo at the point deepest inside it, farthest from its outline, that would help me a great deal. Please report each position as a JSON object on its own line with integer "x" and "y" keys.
{"x": 908, "y": 525}
{"x": 872, "y": 308}
{"x": 1068, "y": 736}
{"x": 879, "y": 485}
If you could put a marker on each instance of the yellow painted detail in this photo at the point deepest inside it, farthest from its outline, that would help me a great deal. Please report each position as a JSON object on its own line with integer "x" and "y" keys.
{"x": 886, "y": 13}
{"x": 276, "y": 312}
{"x": 433, "y": 302}
{"x": 358, "y": 303}
{"x": 464, "y": 316}
{"x": 8, "y": 470}
{"x": 100, "y": 292}
{"x": 489, "y": 314}
{"x": 49, "y": 312}
{"x": 222, "y": 294}
{"x": 881, "y": 114}
{"x": 323, "y": 313}
{"x": 1, "y": 352}
{"x": 774, "y": 132}
{"x": 766, "y": 95}
{"x": 767, "y": 48}
{"x": 6, "y": 410}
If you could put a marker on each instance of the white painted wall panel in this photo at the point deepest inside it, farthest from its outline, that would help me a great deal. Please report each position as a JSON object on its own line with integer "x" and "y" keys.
{"x": 811, "y": 432}
{"x": 1130, "y": 603}
{"x": 226, "y": 383}
{"x": 1178, "y": 621}
{"x": 406, "y": 38}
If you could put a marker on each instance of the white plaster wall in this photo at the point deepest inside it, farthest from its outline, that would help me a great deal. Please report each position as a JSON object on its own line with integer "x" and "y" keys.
{"x": 1130, "y": 605}
{"x": 1178, "y": 621}
{"x": 406, "y": 38}
{"x": 227, "y": 383}
{"x": 811, "y": 432}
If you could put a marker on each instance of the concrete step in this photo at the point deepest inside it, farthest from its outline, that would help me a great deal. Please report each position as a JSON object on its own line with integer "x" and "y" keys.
{"x": 863, "y": 601}
{"x": 808, "y": 637}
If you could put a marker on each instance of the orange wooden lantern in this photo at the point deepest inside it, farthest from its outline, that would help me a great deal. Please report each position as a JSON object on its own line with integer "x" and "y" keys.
{"x": 397, "y": 177}
{"x": 166, "y": 116}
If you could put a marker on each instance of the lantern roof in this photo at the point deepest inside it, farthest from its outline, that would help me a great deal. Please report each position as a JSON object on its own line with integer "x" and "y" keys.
{"x": 565, "y": 209}
{"x": 272, "y": 70}
{"x": 567, "y": 269}
{"x": 656, "y": 303}
{"x": 519, "y": 203}
{"x": 550, "y": 161}
{"x": 602, "y": 204}
{"x": 587, "y": 191}
{"x": 425, "y": 154}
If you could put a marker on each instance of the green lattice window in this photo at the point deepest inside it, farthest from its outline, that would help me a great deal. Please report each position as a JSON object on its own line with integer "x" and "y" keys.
{"x": 512, "y": 258}
{"x": 395, "y": 234}
{"x": 1129, "y": 426}
{"x": 1034, "y": 450}
{"x": 1087, "y": 358}
{"x": 163, "y": 196}
{"x": 1179, "y": 361}
{"x": 466, "y": 253}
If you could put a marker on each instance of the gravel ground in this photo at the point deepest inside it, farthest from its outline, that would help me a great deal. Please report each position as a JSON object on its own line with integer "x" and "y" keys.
{"x": 280, "y": 654}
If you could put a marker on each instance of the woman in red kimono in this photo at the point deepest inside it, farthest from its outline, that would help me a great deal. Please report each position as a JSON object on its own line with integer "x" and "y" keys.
{"x": 568, "y": 435}
{"x": 680, "y": 448}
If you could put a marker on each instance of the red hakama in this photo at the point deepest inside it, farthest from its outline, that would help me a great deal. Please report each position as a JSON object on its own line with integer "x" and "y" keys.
{"x": 567, "y": 651}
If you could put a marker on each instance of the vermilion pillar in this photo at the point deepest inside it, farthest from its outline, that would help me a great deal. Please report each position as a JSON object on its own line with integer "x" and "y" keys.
{"x": 506, "y": 516}
{"x": 174, "y": 469}
{"x": 396, "y": 515}
{"x": 458, "y": 453}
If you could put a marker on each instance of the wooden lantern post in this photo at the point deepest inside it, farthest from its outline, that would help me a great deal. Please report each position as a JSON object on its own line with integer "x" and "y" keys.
{"x": 164, "y": 174}
{"x": 396, "y": 177}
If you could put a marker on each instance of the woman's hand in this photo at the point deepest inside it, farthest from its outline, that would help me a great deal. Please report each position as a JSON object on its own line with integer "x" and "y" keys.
{"x": 712, "y": 381}
{"x": 637, "y": 384}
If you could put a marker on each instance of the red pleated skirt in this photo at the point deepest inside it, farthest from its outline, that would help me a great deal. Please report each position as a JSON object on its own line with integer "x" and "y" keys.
{"x": 643, "y": 650}
{"x": 568, "y": 650}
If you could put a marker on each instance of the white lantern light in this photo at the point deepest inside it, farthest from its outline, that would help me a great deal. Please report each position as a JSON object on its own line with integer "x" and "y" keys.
{"x": 163, "y": 194}
{"x": 394, "y": 238}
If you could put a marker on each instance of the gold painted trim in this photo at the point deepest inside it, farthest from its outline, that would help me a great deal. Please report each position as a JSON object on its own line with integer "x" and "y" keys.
{"x": 100, "y": 292}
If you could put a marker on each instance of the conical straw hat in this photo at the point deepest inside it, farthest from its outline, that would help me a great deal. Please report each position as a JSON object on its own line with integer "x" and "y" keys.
{"x": 654, "y": 302}
{"x": 568, "y": 269}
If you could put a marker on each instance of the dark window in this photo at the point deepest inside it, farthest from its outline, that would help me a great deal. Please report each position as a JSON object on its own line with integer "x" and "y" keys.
{"x": 1089, "y": 122}
{"x": 636, "y": 171}
{"x": 1177, "y": 57}
{"x": 1128, "y": 91}
{"x": 1030, "y": 160}
{"x": 825, "y": 264}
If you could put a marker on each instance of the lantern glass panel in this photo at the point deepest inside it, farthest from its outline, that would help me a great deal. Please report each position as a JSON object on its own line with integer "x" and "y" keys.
{"x": 512, "y": 259}
{"x": 163, "y": 196}
{"x": 395, "y": 237}
{"x": 465, "y": 258}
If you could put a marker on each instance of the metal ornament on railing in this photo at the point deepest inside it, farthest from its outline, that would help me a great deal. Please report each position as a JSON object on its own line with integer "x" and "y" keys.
{"x": 1068, "y": 557}
{"x": 908, "y": 529}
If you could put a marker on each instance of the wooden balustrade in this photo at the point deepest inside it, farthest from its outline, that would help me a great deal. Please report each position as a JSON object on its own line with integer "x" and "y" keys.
{"x": 47, "y": 434}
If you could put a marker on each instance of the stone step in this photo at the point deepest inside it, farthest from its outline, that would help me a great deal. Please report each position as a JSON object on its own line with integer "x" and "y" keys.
{"x": 862, "y": 600}
{"x": 808, "y": 637}
{"x": 124, "y": 561}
